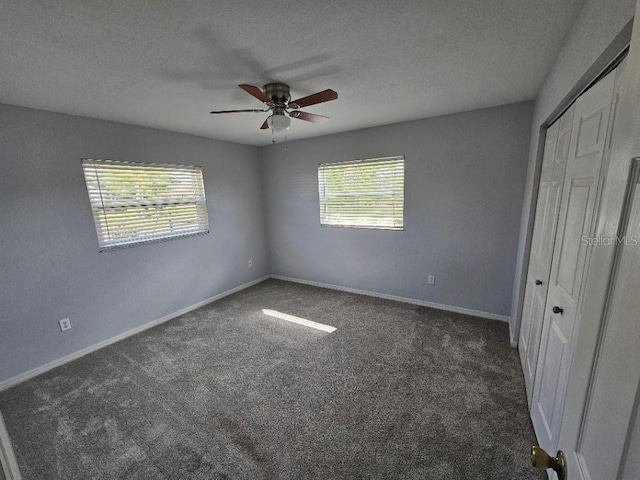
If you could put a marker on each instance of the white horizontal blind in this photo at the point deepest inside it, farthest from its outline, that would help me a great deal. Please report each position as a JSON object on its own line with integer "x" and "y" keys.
{"x": 136, "y": 203}
{"x": 363, "y": 194}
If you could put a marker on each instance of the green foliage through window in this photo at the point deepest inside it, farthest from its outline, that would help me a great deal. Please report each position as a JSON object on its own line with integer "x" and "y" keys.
{"x": 135, "y": 203}
{"x": 364, "y": 194}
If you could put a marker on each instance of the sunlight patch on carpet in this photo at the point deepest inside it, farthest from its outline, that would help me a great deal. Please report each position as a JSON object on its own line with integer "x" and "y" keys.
{"x": 298, "y": 320}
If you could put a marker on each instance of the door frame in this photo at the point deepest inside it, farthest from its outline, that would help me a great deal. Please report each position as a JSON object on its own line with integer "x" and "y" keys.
{"x": 8, "y": 462}
{"x": 610, "y": 56}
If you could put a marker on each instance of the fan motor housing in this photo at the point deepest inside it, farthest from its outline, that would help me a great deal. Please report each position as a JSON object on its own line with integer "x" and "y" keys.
{"x": 278, "y": 92}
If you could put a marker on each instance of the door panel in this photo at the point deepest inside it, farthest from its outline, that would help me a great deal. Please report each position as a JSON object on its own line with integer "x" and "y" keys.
{"x": 553, "y": 192}
{"x": 541, "y": 219}
{"x": 550, "y": 373}
{"x": 589, "y": 132}
{"x": 573, "y": 230}
{"x": 576, "y": 220}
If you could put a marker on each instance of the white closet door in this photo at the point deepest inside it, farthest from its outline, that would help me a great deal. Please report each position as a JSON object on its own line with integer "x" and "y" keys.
{"x": 600, "y": 432}
{"x": 597, "y": 448}
{"x": 581, "y": 189}
{"x": 549, "y": 195}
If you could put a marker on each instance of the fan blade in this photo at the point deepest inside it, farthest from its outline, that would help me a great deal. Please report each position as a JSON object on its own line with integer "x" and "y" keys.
{"x": 309, "y": 117}
{"x": 256, "y": 92}
{"x": 238, "y": 111}
{"x": 320, "y": 97}
{"x": 265, "y": 125}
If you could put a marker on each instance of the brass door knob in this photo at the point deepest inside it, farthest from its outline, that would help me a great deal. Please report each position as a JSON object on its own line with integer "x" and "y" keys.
{"x": 541, "y": 459}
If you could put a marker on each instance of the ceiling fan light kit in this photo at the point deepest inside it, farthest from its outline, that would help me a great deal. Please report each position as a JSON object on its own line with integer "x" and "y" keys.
{"x": 277, "y": 97}
{"x": 279, "y": 123}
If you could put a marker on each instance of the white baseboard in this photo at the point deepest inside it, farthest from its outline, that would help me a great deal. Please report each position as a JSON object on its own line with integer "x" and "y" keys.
{"x": 80, "y": 353}
{"x": 8, "y": 463}
{"x": 5, "y": 384}
{"x": 514, "y": 341}
{"x": 413, "y": 301}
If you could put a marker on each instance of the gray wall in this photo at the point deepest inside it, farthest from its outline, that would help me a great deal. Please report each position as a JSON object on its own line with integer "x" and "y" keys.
{"x": 464, "y": 186}
{"x": 49, "y": 259}
{"x": 597, "y": 29}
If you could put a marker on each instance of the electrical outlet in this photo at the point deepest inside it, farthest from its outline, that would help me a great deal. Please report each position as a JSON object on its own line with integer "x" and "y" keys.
{"x": 431, "y": 280}
{"x": 250, "y": 264}
{"x": 65, "y": 324}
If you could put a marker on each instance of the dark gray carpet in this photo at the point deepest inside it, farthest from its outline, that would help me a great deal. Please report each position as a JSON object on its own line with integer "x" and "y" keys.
{"x": 225, "y": 392}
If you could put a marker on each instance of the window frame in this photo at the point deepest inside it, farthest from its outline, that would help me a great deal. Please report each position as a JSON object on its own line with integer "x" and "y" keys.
{"x": 366, "y": 161}
{"x": 97, "y": 199}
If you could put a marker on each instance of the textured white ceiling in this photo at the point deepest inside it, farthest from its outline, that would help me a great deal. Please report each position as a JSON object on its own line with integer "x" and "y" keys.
{"x": 167, "y": 63}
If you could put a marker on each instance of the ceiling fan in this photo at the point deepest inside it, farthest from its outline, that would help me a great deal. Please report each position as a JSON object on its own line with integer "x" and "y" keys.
{"x": 277, "y": 97}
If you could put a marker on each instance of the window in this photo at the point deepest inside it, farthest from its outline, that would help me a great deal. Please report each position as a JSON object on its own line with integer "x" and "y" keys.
{"x": 138, "y": 203}
{"x": 363, "y": 194}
